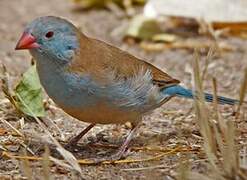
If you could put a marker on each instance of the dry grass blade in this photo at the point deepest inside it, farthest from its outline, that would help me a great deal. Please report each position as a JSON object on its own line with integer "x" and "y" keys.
{"x": 183, "y": 171}
{"x": 202, "y": 115}
{"x": 66, "y": 154}
{"x": 243, "y": 90}
{"x": 218, "y": 136}
{"x": 145, "y": 168}
{"x": 4, "y": 76}
{"x": 222, "y": 124}
{"x": 12, "y": 127}
{"x": 48, "y": 120}
{"x": 158, "y": 157}
{"x": 230, "y": 154}
{"x": 149, "y": 148}
{"x": 17, "y": 132}
{"x": 243, "y": 87}
{"x": 46, "y": 164}
{"x": 26, "y": 167}
{"x": 215, "y": 100}
{"x": 60, "y": 162}
{"x": 90, "y": 162}
{"x": 208, "y": 58}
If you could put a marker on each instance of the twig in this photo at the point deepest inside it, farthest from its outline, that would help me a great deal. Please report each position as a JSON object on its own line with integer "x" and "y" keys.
{"x": 12, "y": 127}
{"x": 90, "y": 162}
{"x": 146, "y": 168}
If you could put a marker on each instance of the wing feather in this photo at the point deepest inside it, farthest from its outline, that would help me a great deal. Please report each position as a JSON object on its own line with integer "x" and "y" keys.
{"x": 98, "y": 58}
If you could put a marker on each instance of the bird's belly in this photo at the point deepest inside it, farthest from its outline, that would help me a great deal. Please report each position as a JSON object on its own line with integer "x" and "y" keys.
{"x": 101, "y": 113}
{"x": 89, "y": 108}
{"x": 86, "y": 100}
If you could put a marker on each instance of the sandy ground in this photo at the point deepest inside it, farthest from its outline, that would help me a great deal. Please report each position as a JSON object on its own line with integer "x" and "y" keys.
{"x": 171, "y": 125}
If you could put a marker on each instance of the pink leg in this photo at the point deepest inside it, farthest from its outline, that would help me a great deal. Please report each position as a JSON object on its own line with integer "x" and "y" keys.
{"x": 75, "y": 139}
{"x": 122, "y": 150}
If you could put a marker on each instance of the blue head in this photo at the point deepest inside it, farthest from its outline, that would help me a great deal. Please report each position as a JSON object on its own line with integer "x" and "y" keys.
{"x": 51, "y": 37}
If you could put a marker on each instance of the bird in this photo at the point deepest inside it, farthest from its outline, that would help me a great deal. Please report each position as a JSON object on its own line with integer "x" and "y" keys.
{"x": 96, "y": 82}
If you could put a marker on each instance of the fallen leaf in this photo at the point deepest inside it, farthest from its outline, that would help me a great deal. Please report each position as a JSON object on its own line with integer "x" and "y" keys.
{"x": 30, "y": 91}
{"x": 3, "y": 131}
{"x": 143, "y": 28}
{"x": 182, "y": 44}
{"x": 88, "y": 4}
{"x": 238, "y": 28}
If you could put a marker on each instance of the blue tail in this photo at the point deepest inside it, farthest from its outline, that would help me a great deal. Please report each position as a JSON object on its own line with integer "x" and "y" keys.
{"x": 187, "y": 93}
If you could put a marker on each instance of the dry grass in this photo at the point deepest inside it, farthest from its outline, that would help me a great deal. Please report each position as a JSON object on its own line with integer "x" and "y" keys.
{"x": 218, "y": 135}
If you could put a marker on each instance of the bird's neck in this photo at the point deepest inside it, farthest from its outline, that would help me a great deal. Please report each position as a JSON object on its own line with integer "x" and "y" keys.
{"x": 51, "y": 74}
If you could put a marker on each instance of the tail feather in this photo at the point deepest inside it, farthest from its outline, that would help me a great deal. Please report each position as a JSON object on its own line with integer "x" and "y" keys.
{"x": 187, "y": 93}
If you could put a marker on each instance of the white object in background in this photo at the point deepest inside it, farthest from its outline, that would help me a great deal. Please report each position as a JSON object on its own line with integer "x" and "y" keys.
{"x": 208, "y": 10}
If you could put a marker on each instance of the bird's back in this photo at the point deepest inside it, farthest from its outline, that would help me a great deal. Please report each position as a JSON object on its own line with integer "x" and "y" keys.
{"x": 100, "y": 58}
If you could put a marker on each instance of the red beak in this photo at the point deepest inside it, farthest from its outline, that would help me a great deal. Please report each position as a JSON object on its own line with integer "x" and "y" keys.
{"x": 27, "y": 41}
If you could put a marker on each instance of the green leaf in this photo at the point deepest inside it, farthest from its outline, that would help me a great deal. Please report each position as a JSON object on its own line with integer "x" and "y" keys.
{"x": 88, "y": 4}
{"x": 143, "y": 28}
{"x": 29, "y": 90}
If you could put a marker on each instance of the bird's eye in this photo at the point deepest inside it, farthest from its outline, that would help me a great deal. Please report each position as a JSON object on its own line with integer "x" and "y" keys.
{"x": 49, "y": 34}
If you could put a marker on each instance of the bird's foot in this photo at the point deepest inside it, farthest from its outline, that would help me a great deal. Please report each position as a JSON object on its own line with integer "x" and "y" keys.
{"x": 122, "y": 154}
{"x": 123, "y": 151}
{"x": 72, "y": 147}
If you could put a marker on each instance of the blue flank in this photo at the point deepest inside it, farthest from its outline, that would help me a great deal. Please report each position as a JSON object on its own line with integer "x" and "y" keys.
{"x": 187, "y": 93}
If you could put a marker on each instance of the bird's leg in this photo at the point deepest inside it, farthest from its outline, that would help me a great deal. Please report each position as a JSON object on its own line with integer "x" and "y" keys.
{"x": 122, "y": 150}
{"x": 75, "y": 139}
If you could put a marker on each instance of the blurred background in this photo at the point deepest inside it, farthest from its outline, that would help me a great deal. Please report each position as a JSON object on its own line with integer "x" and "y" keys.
{"x": 163, "y": 32}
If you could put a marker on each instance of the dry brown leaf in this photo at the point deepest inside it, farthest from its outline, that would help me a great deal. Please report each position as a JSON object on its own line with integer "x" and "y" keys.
{"x": 188, "y": 44}
{"x": 3, "y": 131}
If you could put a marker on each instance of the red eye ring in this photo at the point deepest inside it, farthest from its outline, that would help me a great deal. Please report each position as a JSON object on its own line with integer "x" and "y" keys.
{"x": 49, "y": 34}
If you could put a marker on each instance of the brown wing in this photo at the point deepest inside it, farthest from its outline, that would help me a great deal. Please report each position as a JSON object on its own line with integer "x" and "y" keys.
{"x": 98, "y": 58}
{"x": 161, "y": 78}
